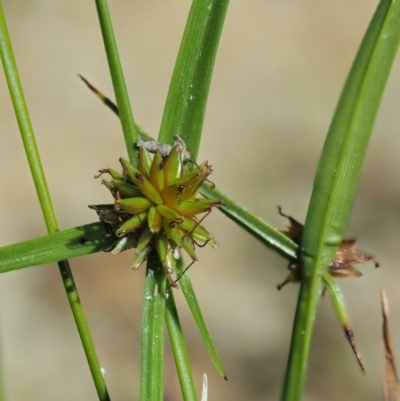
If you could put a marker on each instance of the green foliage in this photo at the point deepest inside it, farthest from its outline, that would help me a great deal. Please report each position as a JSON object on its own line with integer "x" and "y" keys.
{"x": 328, "y": 214}
{"x": 337, "y": 177}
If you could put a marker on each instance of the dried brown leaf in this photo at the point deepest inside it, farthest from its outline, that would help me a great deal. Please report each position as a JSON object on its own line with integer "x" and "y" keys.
{"x": 390, "y": 379}
{"x": 342, "y": 266}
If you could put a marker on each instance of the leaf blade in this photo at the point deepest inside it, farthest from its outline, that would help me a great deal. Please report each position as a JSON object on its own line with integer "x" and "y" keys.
{"x": 337, "y": 177}
{"x": 191, "y": 299}
{"x": 179, "y": 350}
{"x": 188, "y": 92}
{"x": 66, "y": 244}
{"x": 130, "y": 129}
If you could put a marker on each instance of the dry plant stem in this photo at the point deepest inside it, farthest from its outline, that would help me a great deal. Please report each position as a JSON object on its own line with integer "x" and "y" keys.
{"x": 39, "y": 178}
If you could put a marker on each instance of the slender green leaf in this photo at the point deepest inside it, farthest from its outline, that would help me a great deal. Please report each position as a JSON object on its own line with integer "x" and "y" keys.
{"x": 188, "y": 92}
{"x": 268, "y": 235}
{"x": 337, "y": 177}
{"x": 130, "y": 129}
{"x": 193, "y": 304}
{"x": 66, "y": 244}
{"x": 179, "y": 349}
{"x": 340, "y": 308}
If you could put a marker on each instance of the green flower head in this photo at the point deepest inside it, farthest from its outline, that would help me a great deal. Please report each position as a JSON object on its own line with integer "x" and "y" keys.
{"x": 155, "y": 205}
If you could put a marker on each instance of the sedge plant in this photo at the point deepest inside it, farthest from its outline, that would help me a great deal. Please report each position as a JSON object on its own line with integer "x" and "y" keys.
{"x": 155, "y": 207}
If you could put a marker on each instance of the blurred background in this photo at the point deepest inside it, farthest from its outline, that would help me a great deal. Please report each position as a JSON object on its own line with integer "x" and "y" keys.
{"x": 278, "y": 75}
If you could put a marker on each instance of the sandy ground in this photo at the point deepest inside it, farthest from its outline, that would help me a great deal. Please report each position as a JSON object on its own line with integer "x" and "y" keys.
{"x": 279, "y": 72}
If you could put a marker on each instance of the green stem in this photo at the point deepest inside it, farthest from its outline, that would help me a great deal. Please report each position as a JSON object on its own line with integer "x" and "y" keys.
{"x": 153, "y": 342}
{"x": 83, "y": 330}
{"x": 301, "y": 338}
{"x": 130, "y": 129}
{"x": 28, "y": 138}
{"x": 337, "y": 177}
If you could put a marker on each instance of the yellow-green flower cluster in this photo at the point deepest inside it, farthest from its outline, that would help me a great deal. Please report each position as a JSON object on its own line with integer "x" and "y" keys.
{"x": 155, "y": 206}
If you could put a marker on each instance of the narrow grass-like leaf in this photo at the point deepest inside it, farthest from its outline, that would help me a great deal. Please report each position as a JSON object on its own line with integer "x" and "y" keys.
{"x": 268, "y": 235}
{"x": 61, "y": 245}
{"x": 108, "y": 102}
{"x": 28, "y": 138}
{"x": 179, "y": 349}
{"x": 129, "y": 127}
{"x": 340, "y": 308}
{"x": 190, "y": 83}
{"x": 112, "y": 106}
{"x": 337, "y": 177}
{"x": 152, "y": 363}
{"x": 188, "y": 291}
